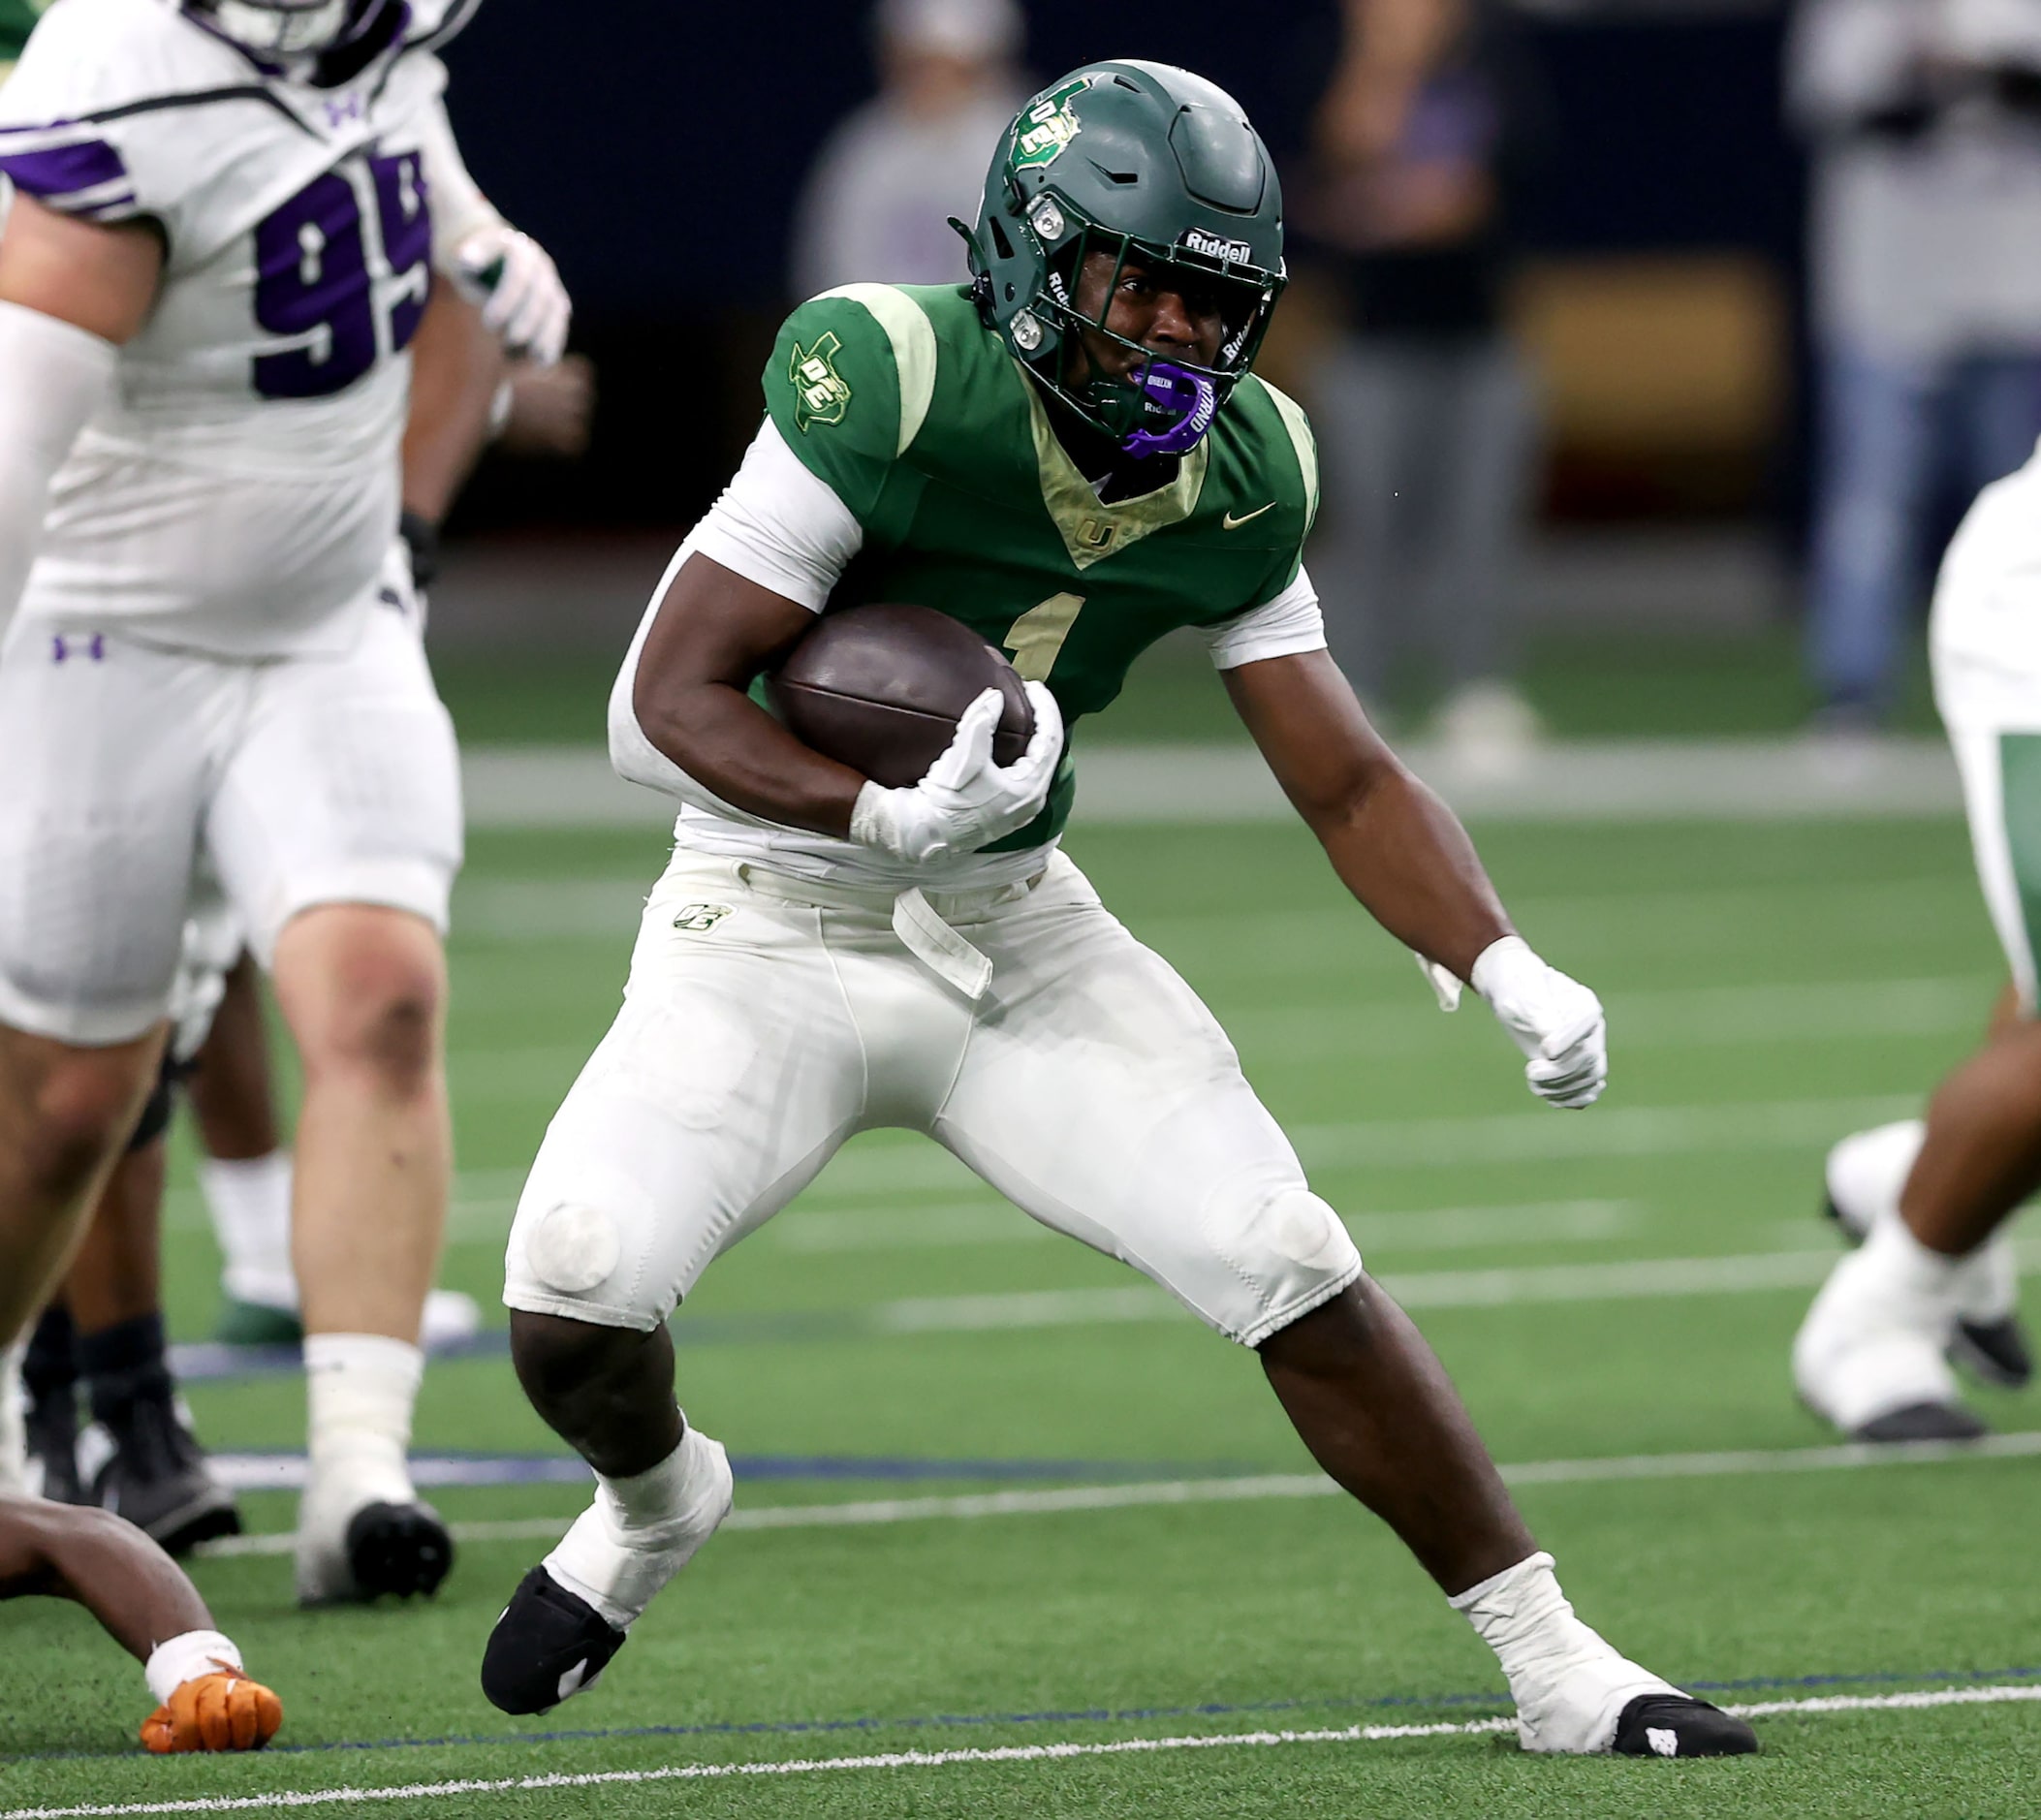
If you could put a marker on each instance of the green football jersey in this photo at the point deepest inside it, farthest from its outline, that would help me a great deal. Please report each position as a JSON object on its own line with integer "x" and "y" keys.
{"x": 17, "y": 19}
{"x": 913, "y": 413}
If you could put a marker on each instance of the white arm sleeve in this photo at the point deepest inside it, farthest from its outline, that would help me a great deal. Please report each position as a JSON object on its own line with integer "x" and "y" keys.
{"x": 775, "y": 524}
{"x": 778, "y": 525}
{"x": 57, "y": 376}
{"x": 1282, "y": 627}
{"x": 459, "y": 206}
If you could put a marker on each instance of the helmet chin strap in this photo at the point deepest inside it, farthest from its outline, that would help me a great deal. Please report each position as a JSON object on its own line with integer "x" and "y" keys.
{"x": 1191, "y": 398}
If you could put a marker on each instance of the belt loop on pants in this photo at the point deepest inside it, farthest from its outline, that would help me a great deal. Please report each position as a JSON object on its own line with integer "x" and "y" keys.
{"x": 938, "y": 947}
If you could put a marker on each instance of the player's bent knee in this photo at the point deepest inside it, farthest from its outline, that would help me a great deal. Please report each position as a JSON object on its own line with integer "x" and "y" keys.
{"x": 365, "y": 989}
{"x": 561, "y": 1361}
{"x": 1292, "y": 1254}
{"x": 76, "y": 1106}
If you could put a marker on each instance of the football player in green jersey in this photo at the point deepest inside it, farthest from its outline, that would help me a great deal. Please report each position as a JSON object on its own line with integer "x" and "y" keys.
{"x": 1071, "y": 458}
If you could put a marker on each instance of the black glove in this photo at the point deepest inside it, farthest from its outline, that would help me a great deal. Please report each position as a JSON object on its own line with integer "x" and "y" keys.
{"x": 421, "y": 538}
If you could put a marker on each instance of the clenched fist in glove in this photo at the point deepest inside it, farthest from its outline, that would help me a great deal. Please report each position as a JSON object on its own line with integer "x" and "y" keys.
{"x": 209, "y": 1704}
{"x": 1555, "y": 1020}
{"x": 966, "y": 801}
{"x": 514, "y": 280}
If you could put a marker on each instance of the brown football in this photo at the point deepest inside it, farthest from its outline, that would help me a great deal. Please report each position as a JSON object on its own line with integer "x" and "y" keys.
{"x": 879, "y": 688}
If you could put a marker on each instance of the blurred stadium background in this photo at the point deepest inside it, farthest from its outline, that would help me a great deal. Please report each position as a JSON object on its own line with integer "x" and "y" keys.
{"x": 1658, "y": 297}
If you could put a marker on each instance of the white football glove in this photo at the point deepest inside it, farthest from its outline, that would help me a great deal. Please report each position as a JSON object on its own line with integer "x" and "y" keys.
{"x": 966, "y": 801}
{"x": 1555, "y": 1020}
{"x": 513, "y": 279}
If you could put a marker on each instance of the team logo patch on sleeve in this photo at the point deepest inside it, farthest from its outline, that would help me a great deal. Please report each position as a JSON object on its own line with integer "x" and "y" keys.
{"x": 820, "y": 393}
{"x": 1049, "y": 126}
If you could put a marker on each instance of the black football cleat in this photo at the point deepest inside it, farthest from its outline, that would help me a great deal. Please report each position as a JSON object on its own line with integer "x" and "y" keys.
{"x": 1675, "y": 1725}
{"x": 550, "y": 1644}
{"x": 51, "y": 1425}
{"x": 1995, "y": 1351}
{"x": 399, "y": 1549}
{"x": 1923, "y": 1421}
{"x": 155, "y": 1474}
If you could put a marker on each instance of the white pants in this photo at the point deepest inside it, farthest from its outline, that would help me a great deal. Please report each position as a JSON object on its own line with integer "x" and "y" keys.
{"x": 766, "y": 1019}
{"x": 1985, "y": 641}
{"x": 299, "y": 781}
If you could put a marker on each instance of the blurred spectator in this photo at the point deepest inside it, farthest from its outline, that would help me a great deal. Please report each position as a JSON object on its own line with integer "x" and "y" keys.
{"x": 1926, "y": 122}
{"x": 1425, "y": 413}
{"x": 878, "y": 200}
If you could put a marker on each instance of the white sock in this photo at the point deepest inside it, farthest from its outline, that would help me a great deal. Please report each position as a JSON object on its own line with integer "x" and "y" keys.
{"x": 1570, "y": 1686}
{"x": 14, "y": 1432}
{"x": 640, "y": 1531}
{"x": 250, "y": 1203}
{"x": 359, "y": 1389}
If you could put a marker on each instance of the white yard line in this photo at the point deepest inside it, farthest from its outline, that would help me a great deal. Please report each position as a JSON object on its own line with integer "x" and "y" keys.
{"x": 1061, "y": 1751}
{"x": 1692, "y": 780}
{"x": 867, "y": 1513}
{"x": 991, "y": 1222}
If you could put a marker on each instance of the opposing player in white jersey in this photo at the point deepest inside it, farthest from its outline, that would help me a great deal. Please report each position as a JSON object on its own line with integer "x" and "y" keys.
{"x": 228, "y": 220}
{"x": 1936, "y": 1274}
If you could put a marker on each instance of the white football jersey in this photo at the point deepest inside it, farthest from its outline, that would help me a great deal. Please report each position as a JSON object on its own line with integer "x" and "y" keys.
{"x": 238, "y": 491}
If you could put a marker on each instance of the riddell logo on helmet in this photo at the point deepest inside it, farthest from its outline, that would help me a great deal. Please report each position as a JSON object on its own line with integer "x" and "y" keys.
{"x": 1197, "y": 241}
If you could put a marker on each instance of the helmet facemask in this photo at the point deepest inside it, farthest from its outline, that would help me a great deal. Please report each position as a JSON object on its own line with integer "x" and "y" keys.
{"x": 289, "y": 29}
{"x": 1165, "y": 401}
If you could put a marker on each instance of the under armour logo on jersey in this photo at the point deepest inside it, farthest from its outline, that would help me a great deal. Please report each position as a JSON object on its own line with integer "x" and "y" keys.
{"x": 62, "y": 649}
{"x": 340, "y": 109}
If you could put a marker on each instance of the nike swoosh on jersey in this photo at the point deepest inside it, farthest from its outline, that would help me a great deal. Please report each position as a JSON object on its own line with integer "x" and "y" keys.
{"x": 1233, "y": 523}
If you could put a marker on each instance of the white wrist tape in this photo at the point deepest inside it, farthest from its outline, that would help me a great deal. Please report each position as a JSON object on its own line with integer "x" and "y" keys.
{"x": 189, "y": 1658}
{"x": 57, "y": 376}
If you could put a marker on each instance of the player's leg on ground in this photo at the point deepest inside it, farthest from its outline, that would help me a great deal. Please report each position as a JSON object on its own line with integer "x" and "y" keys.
{"x": 244, "y": 1173}
{"x": 139, "y": 1458}
{"x": 1101, "y": 1096}
{"x": 1869, "y": 1357}
{"x": 730, "y": 1075}
{"x": 363, "y": 992}
{"x": 334, "y": 830}
{"x": 63, "y": 1112}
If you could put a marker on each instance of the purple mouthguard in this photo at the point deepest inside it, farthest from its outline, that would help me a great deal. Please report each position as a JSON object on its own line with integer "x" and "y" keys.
{"x": 1193, "y": 398}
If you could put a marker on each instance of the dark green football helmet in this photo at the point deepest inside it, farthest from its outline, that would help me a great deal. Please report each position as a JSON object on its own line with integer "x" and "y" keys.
{"x": 1142, "y": 161}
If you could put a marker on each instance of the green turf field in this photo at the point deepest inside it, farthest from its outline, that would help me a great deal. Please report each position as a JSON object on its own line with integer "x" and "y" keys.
{"x": 1604, "y": 1285}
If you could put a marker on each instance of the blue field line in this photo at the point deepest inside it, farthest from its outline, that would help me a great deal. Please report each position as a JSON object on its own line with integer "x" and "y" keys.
{"x": 1088, "y": 1715}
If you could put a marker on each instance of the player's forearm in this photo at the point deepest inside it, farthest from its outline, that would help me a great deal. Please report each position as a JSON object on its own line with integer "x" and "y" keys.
{"x": 730, "y": 745}
{"x": 134, "y": 1590}
{"x": 1404, "y": 856}
{"x": 456, "y": 367}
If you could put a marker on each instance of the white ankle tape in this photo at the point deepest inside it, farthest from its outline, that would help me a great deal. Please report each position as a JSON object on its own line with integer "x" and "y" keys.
{"x": 640, "y": 1531}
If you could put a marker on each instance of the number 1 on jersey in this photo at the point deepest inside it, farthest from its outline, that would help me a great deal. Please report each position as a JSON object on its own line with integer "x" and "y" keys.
{"x": 1037, "y": 636}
